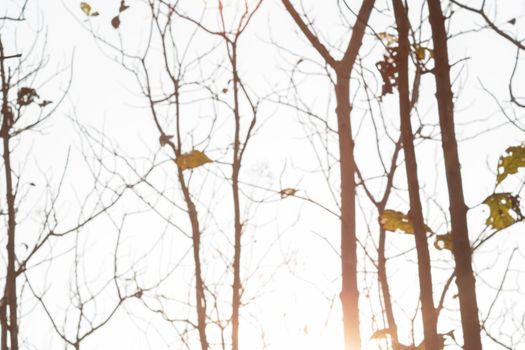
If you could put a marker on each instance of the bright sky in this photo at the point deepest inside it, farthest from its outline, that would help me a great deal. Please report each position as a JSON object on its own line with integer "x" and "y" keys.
{"x": 289, "y": 260}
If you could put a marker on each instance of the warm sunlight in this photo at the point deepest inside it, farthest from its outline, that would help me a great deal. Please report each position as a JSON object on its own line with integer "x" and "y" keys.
{"x": 262, "y": 175}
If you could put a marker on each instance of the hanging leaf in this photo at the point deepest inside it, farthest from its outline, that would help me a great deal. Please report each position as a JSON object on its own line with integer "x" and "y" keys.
{"x": 86, "y": 8}
{"x": 381, "y": 334}
{"x": 123, "y": 6}
{"x": 164, "y": 139}
{"x": 115, "y": 22}
{"x": 422, "y": 52}
{"x": 511, "y": 162}
{"x": 287, "y": 192}
{"x": 192, "y": 160}
{"x": 443, "y": 242}
{"x": 95, "y": 14}
{"x": 388, "y": 69}
{"x": 26, "y": 96}
{"x": 504, "y": 210}
{"x": 387, "y": 38}
{"x": 44, "y": 103}
{"x": 393, "y": 220}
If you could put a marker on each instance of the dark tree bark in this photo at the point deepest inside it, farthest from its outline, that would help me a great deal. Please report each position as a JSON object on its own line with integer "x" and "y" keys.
{"x": 349, "y": 292}
{"x": 458, "y": 210}
{"x": 8, "y": 308}
{"x": 416, "y": 212}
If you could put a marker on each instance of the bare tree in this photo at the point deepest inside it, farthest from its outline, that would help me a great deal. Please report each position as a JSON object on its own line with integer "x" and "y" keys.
{"x": 180, "y": 70}
{"x": 241, "y": 138}
{"x": 14, "y": 74}
{"x": 9, "y": 300}
{"x": 24, "y": 111}
{"x": 458, "y": 210}
{"x": 401, "y": 56}
{"x": 343, "y": 70}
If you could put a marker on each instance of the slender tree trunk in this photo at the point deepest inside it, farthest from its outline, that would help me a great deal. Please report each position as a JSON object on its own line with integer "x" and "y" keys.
{"x": 385, "y": 289}
{"x": 10, "y": 298}
{"x": 458, "y": 210}
{"x": 236, "y": 167}
{"x": 381, "y": 261}
{"x": 428, "y": 311}
{"x": 200, "y": 297}
{"x": 343, "y": 69}
{"x": 349, "y": 292}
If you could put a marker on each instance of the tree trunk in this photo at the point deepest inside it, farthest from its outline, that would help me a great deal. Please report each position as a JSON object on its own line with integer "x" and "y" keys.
{"x": 200, "y": 297}
{"x": 458, "y": 210}
{"x": 9, "y": 302}
{"x": 385, "y": 289}
{"x": 349, "y": 292}
{"x": 236, "y": 167}
{"x": 428, "y": 311}
{"x": 343, "y": 69}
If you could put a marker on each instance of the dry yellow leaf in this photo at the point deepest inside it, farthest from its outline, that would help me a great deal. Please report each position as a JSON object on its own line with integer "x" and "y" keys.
{"x": 393, "y": 220}
{"x": 387, "y": 38}
{"x": 443, "y": 242}
{"x": 511, "y": 162}
{"x": 86, "y": 8}
{"x": 504, "y": 210}
{"x": 421, "y": 52}
{"x": 192, "y": 160}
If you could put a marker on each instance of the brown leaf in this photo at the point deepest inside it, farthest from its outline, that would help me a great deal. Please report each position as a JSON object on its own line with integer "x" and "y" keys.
{"x": 164, "y": 139}
{"x": 26, "y": 96}
{"x": 115, "y": 22}
{"x": 44, "y": 103}
{"x": 123, "y": 6}
{"x": 287, "y": 192}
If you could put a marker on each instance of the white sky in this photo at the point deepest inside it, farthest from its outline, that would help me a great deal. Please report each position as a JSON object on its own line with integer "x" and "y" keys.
{"x": 298, "y": 277}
